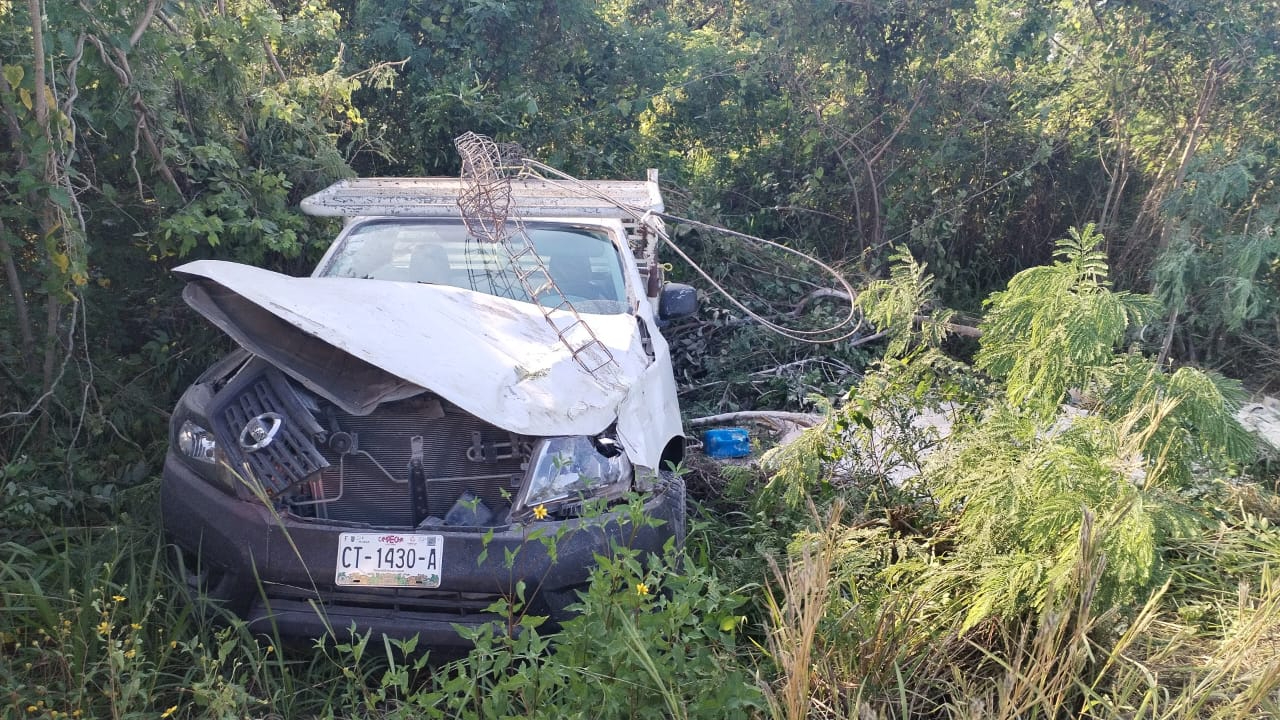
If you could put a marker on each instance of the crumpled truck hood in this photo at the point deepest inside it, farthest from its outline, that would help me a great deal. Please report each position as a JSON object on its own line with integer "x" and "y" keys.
{"x": 362, "y": 342}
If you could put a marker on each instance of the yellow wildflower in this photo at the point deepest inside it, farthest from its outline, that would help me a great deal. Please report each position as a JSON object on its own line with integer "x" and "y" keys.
{"x": 130, "y": 653}
{"x": 136, "y": 626}
{"x": 540, "y": 512}
{"x": 32, "y": 708}
{"x": 642, "y": 589}
{"x": 172, "y": 709}
{"x": 119, "y": 598}
{"x": 104, "y": 628}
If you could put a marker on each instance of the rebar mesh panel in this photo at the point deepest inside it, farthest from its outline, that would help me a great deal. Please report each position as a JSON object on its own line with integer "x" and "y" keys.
{"x": 487, "y": 211}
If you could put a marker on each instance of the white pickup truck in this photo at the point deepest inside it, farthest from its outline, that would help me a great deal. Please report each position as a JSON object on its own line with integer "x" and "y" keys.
{"x": 395, "y": 424}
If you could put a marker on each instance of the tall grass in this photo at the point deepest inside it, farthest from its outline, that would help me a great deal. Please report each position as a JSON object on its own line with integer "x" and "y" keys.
{"x": 1197, "y": 648}
{"x": 92, "y": 625}
{"x": 797, "y": 608}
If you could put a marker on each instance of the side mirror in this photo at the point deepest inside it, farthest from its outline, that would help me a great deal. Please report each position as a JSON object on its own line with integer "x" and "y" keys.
{"x": 677, "y": 301}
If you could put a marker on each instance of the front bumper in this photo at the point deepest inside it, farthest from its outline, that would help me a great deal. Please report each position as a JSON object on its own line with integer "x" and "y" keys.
{"x": 277, "y": 571}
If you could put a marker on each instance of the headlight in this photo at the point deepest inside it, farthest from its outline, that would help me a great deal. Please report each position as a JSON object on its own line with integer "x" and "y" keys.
{"x": 566, "y": 470}
{"x": 197, "y": 443}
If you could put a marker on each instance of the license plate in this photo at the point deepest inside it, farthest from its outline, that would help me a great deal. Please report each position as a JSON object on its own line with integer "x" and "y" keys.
{"x": 389, "y": 560}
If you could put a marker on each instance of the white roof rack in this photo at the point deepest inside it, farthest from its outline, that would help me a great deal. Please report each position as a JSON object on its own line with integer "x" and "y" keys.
{"x": 438, "y": 197}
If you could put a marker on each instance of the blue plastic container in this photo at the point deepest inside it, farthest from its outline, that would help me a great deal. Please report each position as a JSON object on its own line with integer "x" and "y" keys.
{"x": 730, "y": 442}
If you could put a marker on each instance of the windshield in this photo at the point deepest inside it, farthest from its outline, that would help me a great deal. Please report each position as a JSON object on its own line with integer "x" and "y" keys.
{"x": 582, "y": 261}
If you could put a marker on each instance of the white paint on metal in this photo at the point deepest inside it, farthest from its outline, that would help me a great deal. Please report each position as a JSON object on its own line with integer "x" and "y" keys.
{"x": 495, "y": 358}
{"x": 438, "y": 197}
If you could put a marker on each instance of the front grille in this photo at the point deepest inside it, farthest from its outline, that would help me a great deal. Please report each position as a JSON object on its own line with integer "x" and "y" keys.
{"x": 371, "y": 485}
{"x": 290, "y": 457}
{"x": 331, "y": 465}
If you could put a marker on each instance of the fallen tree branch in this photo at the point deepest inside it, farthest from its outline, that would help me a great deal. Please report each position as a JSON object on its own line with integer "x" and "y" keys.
{"x": 771, "y": 417}
{"x": 962, "y": 330}
{"x": 819, "y": 294}
{"x": 777, "y": 369}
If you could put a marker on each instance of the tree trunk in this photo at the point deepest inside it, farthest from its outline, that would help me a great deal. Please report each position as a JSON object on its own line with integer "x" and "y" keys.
{"x": 47, "y": 213}
{"x": 1149, "y": 225}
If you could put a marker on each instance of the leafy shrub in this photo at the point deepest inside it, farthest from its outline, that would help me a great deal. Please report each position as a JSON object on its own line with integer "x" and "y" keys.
{"x": 1057, "y": 325}
{"x": 867, "y": 449}
{"x": 654, "y": 637}
{"x": 1014, "y": 481}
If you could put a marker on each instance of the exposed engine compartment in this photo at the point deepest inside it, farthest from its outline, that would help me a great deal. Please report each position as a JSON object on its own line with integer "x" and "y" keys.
{"x": 418, "y": 462}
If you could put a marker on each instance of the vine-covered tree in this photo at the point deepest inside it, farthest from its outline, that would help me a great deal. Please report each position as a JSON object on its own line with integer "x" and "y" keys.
{"x": 138, "y": 133}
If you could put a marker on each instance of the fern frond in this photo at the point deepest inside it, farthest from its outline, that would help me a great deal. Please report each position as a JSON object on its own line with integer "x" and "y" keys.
{"x": 893, "y": 305}
{"x": 1198, "y": 427}
{"x": 1056, "y": 326}
{"x": 1021, "y": 495}
{"x": 1079, "y": 251}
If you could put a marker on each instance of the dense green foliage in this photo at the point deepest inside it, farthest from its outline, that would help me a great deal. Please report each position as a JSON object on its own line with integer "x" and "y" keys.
{"x": 1018, "y": 511}
{"x": 971, "y": 133}
{"x": 1092, "y": 185}
{"x": 1017, "y": 474}
{"x": 1057, "y": 326}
